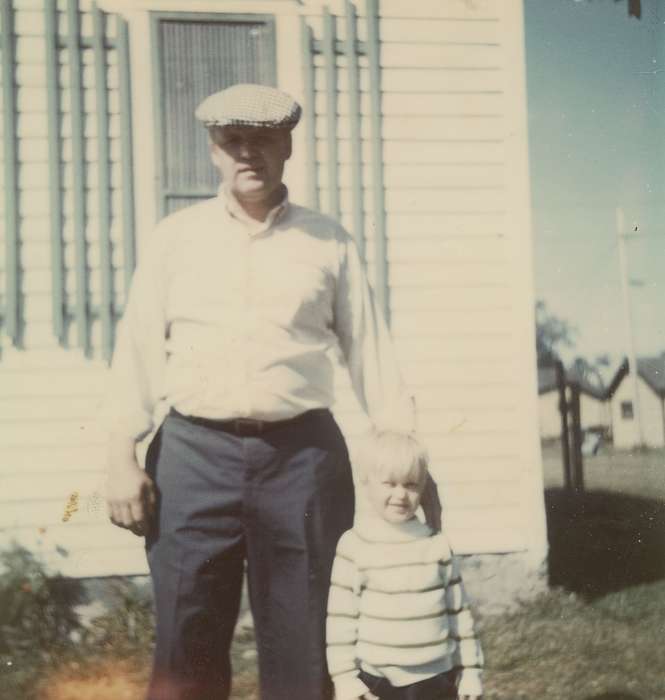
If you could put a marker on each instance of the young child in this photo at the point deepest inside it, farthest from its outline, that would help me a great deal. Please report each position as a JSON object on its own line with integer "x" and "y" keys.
{"x": 399, "y": 625}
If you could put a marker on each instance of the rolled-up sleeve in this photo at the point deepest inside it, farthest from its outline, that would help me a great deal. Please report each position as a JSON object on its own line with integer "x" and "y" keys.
{"x": 135, "y": 383}
{"x": 367, "y": 346}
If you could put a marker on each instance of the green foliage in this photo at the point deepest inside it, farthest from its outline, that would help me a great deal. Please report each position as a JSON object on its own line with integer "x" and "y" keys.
{"x": 128, "y": 626}
{"x": 41, "y": 634}
{"x": 552, "y": 333}
{"x": 38, "y": 620}
{"x": 37, "y": 610}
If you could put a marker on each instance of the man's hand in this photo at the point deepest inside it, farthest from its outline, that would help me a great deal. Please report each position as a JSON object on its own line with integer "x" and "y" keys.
{"x": 431, "y": 505}
{"x": 130, "y": 493}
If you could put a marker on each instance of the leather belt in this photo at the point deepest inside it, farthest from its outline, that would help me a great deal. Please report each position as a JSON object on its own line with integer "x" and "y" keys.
{"x": 247, "y": 427}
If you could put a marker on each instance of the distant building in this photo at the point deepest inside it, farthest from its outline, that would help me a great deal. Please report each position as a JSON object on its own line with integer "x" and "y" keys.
{"x": 651, "y": 394}
{"x": 595, "y": 412}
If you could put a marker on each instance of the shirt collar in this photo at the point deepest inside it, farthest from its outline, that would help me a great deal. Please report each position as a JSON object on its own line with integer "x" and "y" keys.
{"x": 254, "y": 228}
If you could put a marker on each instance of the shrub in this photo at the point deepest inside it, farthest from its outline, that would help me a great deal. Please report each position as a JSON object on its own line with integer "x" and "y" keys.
{"x": 37, "y": 610}
{"x": 37, "y": 620}
{"x": 128, "y": 626}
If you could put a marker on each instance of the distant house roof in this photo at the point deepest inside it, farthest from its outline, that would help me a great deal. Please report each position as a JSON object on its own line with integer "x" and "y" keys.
{"x": 621, "y": 372}
{"x": 651, "y": 369}
{"x": 547, "y": 382}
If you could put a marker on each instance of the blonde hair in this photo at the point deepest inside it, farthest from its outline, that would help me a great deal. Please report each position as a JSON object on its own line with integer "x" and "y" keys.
{"x": 395, "y": 455}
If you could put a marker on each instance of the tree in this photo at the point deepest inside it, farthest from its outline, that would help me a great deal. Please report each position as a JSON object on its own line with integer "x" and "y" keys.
{"x": 590, "y": 371}
{"x": 552, "y": 333}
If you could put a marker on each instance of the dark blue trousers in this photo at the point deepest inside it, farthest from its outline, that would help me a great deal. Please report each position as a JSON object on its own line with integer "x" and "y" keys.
{"x": 278, "y": 501}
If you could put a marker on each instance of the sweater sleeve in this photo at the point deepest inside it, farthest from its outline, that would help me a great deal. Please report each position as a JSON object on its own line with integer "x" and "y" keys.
{"x": 342, "y": 621}
{"x": 468, "y": 655}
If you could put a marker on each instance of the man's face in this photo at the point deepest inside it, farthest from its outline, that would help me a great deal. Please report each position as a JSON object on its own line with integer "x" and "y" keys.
{"x": 250, "y": 159}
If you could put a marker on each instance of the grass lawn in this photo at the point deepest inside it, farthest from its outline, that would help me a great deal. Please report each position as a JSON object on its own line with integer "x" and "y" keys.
{"x": 596, "y": 635}
{"x": 639, "y": 473}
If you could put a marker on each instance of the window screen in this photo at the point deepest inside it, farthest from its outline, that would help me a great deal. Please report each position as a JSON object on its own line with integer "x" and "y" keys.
{"x": 198, "y": 55}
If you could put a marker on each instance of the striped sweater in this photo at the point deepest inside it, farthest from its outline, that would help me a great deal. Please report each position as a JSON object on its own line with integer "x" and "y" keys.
{"x": 397, "y": 608}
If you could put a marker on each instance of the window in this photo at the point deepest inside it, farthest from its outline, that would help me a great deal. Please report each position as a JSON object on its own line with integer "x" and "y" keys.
{"x": 196, "y": 56}
{"x": 627, "y": 410}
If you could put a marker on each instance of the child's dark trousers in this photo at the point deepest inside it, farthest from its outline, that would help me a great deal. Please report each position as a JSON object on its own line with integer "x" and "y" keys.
{"x": 441, "y": 687}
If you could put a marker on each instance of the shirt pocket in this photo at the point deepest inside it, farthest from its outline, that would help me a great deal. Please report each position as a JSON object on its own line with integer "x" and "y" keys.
{"x": 296, "y": 294}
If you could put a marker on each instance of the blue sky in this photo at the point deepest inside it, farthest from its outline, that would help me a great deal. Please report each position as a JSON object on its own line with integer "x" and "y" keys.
{"x": 596, "y": 99}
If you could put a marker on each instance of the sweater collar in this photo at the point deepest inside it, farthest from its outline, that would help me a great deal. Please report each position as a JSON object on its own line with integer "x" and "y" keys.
{"x": 373, "y": 527}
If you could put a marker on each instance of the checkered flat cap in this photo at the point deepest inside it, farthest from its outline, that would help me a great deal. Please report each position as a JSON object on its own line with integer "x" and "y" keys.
{"x": 249, "y": 105}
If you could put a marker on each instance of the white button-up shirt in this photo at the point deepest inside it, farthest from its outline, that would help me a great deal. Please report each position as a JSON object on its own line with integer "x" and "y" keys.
{"x": 227, "y": 318}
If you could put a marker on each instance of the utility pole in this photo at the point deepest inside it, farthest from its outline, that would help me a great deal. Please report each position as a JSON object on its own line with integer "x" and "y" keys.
{"x": 622, "y": 235}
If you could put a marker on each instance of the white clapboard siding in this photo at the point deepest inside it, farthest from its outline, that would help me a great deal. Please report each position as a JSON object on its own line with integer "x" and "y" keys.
{"x": 54, "y": 433}
{"x": 97, "y": 559}
{"x": 479, "y": 10}
{"x": 32, "y": 122}
{"x": 428, "y": 200}
{"x": 80, "y": 536}
{"x": 459, "y": 290}
{"x": 459, "y": 395}
{"x": 37, "y": 281}
{"x": 453, "y": 102}
{"x": 455, "y": 348}
{"x": 47, "y": 409}
{"x": 425, "y": 104}
{"x": 53, "y": 511}
{"x": 447, "y": 127}
{"x": 413, "y": 80}
{"x": 23, "y": 487}
{"x": 434, "y": 30}
{"x": 417, "y": 152}
{"x": 413, "y": 176}
{"x": 59, "y": 459}
{"x": 473, "y": 223}
{"x": 51, "y": 437}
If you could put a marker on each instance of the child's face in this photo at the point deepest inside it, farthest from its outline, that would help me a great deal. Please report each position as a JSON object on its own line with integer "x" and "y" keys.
{"x": 394, "y": 498}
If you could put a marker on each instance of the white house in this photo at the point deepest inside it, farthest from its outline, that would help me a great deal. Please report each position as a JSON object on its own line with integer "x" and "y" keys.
{"x": 595, "y": 410}
{"x": 651, "y": 397}
{"x": 414, "y": 133}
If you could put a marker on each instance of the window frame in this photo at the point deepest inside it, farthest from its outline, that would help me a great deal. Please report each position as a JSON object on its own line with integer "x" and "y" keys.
{"x": 627, "y": 410}
{"x": 155, "y": 18}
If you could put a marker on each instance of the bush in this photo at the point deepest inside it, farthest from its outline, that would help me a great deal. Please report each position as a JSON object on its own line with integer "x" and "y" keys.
{"x": 37, "y": 610}
{"x": 38, "y": 620}
{"x": 128, "y": 626}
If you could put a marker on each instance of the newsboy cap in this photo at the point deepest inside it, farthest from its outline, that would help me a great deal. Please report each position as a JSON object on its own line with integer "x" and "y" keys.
{"x": 246, "y": 104}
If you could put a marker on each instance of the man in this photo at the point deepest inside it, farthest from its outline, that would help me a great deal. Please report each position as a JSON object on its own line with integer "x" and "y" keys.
{"x": 234, "y": 310}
